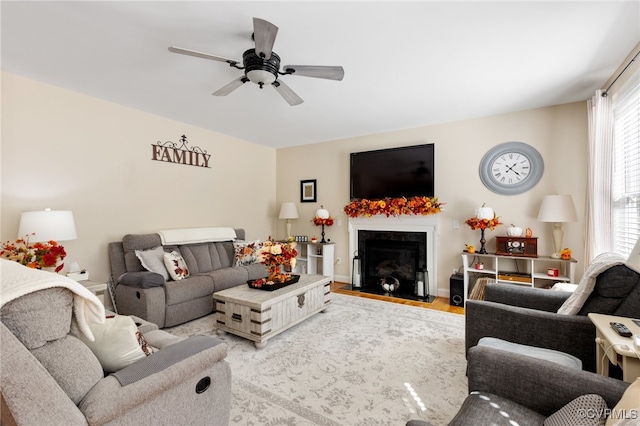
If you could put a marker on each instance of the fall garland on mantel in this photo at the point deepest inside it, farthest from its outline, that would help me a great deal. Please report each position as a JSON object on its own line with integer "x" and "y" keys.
{"x": 394, "y": 207}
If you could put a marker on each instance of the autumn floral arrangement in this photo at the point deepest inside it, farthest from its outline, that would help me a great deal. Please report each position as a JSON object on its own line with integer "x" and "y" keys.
{"x": 394, "y": 206}
{"x": 485, "y": 218}
{"x": 475, "y": 223}
{"x": 34, "y": 255}
{"x": 273, "y": 255}
{"x": 318, "y": 221}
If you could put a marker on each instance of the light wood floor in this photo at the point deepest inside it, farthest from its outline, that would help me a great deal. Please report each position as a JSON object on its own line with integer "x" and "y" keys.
{"x": 440, "y": 304}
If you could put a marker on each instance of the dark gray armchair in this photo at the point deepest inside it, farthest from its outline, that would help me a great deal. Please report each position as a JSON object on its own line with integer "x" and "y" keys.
{"x": 528, "y": 315}
{"x": 507, "y": 388}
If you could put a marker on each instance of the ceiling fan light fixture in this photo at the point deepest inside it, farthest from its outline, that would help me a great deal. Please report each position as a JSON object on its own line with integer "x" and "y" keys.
{"x": 261, "y": 77}
{"x": 261, "y": 65}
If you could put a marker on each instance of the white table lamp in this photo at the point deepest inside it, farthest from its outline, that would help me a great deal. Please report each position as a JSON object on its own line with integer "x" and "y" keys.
{"x": 47, "y": 225}
{"x": 557, "y": 209}
{"x": 288, "y": 211}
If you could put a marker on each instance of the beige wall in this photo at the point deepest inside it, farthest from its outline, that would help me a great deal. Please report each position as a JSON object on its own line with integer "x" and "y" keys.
{"x": 64, "y": 150}
{"x": 68, "y": 151}
{"x": 559, "y": 133}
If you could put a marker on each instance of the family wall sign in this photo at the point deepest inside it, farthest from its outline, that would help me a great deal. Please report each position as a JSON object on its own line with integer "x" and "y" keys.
{"x": 180, "y": 153}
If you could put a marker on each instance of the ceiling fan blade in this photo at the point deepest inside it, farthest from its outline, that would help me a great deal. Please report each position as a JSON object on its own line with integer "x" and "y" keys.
{"x": 224, "y": 91}
{"x": 264, "y": 33}
{"x": 197, "y": 54}
{"x": 286, "y": 92}
{"x": 316, "y": 71}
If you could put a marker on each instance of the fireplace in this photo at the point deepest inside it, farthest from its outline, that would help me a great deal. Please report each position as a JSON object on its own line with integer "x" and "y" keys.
{"x": 396, "y": 247}
{"x": 389, "y": 254}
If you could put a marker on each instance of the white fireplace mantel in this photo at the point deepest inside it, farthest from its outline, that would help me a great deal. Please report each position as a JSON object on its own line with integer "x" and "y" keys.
{"x": 427, "y": 224}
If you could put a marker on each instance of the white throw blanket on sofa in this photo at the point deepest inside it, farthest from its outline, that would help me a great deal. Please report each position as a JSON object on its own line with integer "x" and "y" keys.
{"x": 196, "y": 235}
{"x": 601, "y": 263}
{"x": 17, "y": 280}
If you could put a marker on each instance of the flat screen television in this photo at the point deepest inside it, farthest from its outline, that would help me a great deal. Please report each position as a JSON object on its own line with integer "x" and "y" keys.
{"x": 394, "y": 172}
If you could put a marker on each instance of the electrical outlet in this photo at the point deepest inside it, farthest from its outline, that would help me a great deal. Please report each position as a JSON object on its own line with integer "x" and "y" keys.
{"x": 456, "y": 224}
{"x": 338, "y": 261}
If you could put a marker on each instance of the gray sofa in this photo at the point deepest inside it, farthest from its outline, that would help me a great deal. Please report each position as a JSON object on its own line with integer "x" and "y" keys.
{"x": 506, "y": 388}
{"x": 49, "y": 376}
{"x": 167, "y": 303}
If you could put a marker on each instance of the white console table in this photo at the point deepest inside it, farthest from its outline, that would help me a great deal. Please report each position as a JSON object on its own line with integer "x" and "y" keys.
{"x": 315, "y": 258}
{"x": 531, "y": 271}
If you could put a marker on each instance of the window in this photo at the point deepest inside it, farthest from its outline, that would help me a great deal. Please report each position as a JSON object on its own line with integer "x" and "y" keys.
{"x": 626, "y": 166}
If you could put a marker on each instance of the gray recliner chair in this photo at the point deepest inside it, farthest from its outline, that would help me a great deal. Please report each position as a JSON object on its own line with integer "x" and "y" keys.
{"x": 49, "y": 376}
{"x": 506, "y": 388}
{"x": 528, "y": 316}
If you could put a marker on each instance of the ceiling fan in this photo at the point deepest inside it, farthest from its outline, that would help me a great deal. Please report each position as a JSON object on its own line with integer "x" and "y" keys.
{"x": 262, "y": 65}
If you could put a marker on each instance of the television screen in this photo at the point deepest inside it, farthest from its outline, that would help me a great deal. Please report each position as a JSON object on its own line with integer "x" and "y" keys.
{"x": 394, "y": 172}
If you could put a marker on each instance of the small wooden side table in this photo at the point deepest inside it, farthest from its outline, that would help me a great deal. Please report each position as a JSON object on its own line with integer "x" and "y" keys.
{"x": 620, "y": 350}
{"x": 99, "y": 289}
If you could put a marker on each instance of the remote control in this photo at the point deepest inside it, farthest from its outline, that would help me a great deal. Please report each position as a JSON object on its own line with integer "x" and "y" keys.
{"x": 636, "y": 322}
{"x": 621, "y": 329}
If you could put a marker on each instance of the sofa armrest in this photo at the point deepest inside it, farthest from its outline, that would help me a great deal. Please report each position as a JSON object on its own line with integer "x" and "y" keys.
{"x": 525, "y": 297}
{"x": 572, "y": 334}
{"x": 167, "y": 357}
{"x": 145, "y": 303}
{"x": 173, "y": 388}
{"x": 539, "y": 385}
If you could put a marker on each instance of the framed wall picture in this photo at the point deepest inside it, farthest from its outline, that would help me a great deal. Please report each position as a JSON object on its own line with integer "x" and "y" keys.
{"x": 308, "y": 191}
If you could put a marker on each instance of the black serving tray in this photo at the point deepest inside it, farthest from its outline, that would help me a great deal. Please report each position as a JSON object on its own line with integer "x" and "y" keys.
{"x": 271, "y": 287}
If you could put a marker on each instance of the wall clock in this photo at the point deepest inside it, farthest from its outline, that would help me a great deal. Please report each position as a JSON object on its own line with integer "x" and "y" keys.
{"x": 511, "y": 168}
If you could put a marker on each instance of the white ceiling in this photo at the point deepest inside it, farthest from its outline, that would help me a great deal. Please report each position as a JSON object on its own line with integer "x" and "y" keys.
{"x": 407, "y": 64}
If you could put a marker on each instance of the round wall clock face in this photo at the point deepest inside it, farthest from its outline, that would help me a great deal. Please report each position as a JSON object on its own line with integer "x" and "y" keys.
{"x": 511, "y": 168}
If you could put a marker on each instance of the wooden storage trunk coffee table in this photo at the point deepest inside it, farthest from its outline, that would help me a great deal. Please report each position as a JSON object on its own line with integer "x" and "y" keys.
{"x": 258, "y": 315}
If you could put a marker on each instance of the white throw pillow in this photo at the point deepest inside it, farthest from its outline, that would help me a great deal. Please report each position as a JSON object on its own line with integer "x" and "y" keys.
{"x": 153, "y": 260}
{"x": 176, "y": 265}
{"x": 246, "y": 252}
{"x": 116, "y": 343}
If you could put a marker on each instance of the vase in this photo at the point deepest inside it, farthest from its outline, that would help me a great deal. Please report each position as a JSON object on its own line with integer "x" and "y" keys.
{"x": 49, "y": 269}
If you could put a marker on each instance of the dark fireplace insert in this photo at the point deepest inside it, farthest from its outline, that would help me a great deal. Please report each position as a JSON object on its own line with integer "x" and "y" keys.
{"x": 392, "y": 257}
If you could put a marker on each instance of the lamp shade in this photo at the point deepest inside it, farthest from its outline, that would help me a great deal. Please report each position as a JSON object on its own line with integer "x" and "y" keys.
{"x": 47, "y": 225}
{"x": 288, "y": 210}
{"x": 557, "y": 208}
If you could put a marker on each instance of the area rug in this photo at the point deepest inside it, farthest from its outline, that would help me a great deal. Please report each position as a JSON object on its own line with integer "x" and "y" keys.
{"x": 363, "y": 362}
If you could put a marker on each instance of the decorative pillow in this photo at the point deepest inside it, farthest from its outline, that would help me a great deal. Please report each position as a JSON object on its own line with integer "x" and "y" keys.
{"x": 246, "y": 252}
{"x": 148, "y": 350}
{"x": 153, "y": 260}
{"x": 116, "y": 343}
{"x": 176, "y": 265}
{"x": 585, "y": 410}
{"x": 142, "y": 279}
{"x": 627, "y": 410}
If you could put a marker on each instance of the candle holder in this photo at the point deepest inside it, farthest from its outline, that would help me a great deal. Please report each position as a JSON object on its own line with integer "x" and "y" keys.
{"x": 482, "y": 242}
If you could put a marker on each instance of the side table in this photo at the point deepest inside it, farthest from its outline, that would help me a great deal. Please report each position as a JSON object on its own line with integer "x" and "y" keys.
{"x": 619, "y": 350}
{"x": 99, "y": 289}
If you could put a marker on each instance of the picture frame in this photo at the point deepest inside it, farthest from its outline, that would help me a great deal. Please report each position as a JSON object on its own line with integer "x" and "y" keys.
{"x": 308, "y": 191}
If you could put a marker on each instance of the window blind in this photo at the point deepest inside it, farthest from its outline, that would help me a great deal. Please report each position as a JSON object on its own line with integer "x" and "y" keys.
{"x": 626, "y": 167}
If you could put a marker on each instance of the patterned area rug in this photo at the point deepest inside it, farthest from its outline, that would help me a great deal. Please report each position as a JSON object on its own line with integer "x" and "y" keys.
{"x": 362, "y": 362}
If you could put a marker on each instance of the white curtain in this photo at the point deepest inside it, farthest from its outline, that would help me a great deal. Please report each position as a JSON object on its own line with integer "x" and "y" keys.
{"x": 598, "y": 216}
